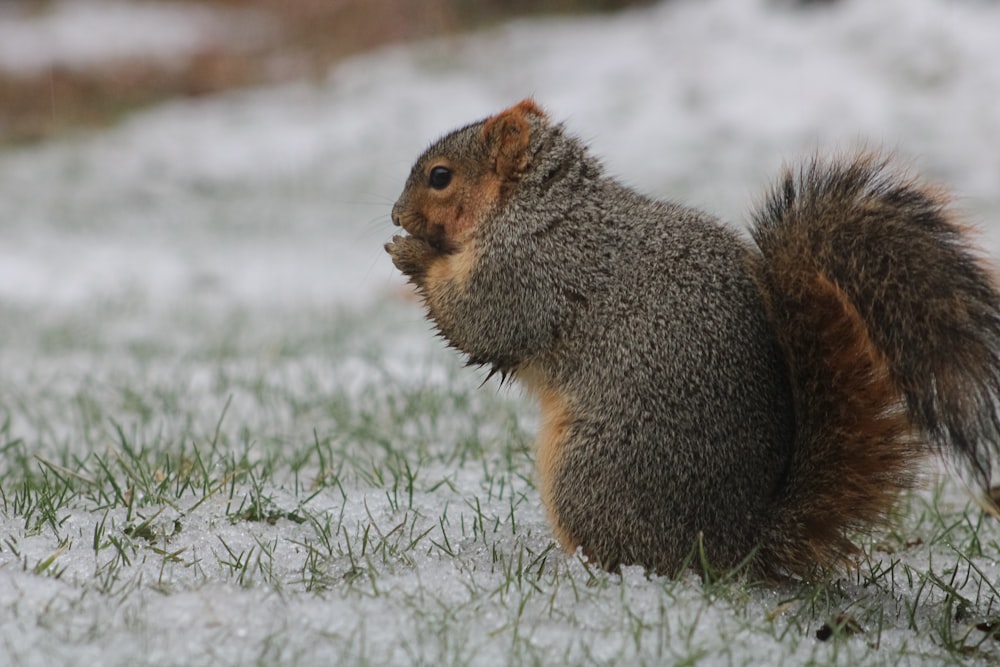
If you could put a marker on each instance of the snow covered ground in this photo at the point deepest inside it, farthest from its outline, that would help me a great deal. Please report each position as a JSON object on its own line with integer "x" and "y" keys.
{"x": 78, "y": 34}
{"x": 208, "y": 276}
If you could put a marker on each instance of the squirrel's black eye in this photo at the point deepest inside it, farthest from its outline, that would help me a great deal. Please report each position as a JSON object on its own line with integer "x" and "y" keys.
{"x": 440, "y": 178}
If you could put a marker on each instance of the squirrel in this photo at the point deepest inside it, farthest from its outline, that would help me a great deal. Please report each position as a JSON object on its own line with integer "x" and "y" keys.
{"x": 707, "y": 399}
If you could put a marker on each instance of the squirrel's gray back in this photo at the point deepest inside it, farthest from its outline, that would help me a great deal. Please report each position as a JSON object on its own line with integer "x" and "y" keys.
{"x": 677, "y": 381}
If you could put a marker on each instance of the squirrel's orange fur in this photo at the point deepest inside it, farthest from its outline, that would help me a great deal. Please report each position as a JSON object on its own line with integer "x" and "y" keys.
{"x": 556, "y": 420}
{"x": 864, "y": 452}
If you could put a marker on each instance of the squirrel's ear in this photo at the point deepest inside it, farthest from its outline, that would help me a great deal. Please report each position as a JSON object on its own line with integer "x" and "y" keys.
{"x": 507, "y": 135}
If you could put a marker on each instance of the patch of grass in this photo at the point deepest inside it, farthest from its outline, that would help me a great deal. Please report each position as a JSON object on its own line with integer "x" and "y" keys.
{"x": 384, "y": 504}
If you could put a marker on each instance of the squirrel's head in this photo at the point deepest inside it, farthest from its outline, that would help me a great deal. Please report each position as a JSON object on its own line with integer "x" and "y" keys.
{"x": 487, "y": 211}
{"x": 460, "y": 181}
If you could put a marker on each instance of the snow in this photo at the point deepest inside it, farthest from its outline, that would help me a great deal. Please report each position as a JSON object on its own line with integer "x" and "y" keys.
{"x": 243, "y": 222}
{"x": 77, "y": 34}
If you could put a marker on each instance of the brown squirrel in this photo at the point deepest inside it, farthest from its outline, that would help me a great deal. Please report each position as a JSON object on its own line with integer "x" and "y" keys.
{"x": 756, "y": 402}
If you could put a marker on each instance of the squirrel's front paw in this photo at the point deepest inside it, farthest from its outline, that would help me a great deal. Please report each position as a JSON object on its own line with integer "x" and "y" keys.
{"x": 412, "y": 256}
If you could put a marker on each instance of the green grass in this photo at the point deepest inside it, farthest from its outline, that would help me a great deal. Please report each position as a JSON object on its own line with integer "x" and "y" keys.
{"x": 296, "y": 486}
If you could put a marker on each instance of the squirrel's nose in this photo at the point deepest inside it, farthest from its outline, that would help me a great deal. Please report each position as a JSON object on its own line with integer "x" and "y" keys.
{"x": 395, "y": 214}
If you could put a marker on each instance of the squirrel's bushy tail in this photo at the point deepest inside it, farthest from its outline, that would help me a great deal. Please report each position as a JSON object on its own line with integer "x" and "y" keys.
{"x": 891, "y": 328}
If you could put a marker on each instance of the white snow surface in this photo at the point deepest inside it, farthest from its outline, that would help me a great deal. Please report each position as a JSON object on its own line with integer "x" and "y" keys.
{"x": 258, "y": 212}
{"x": 81, "y": 34}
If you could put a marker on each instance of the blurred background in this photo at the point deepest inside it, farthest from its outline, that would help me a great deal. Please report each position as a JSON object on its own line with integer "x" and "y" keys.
{"x": 71, "y": 63}
{"x": 213, "y": 156}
